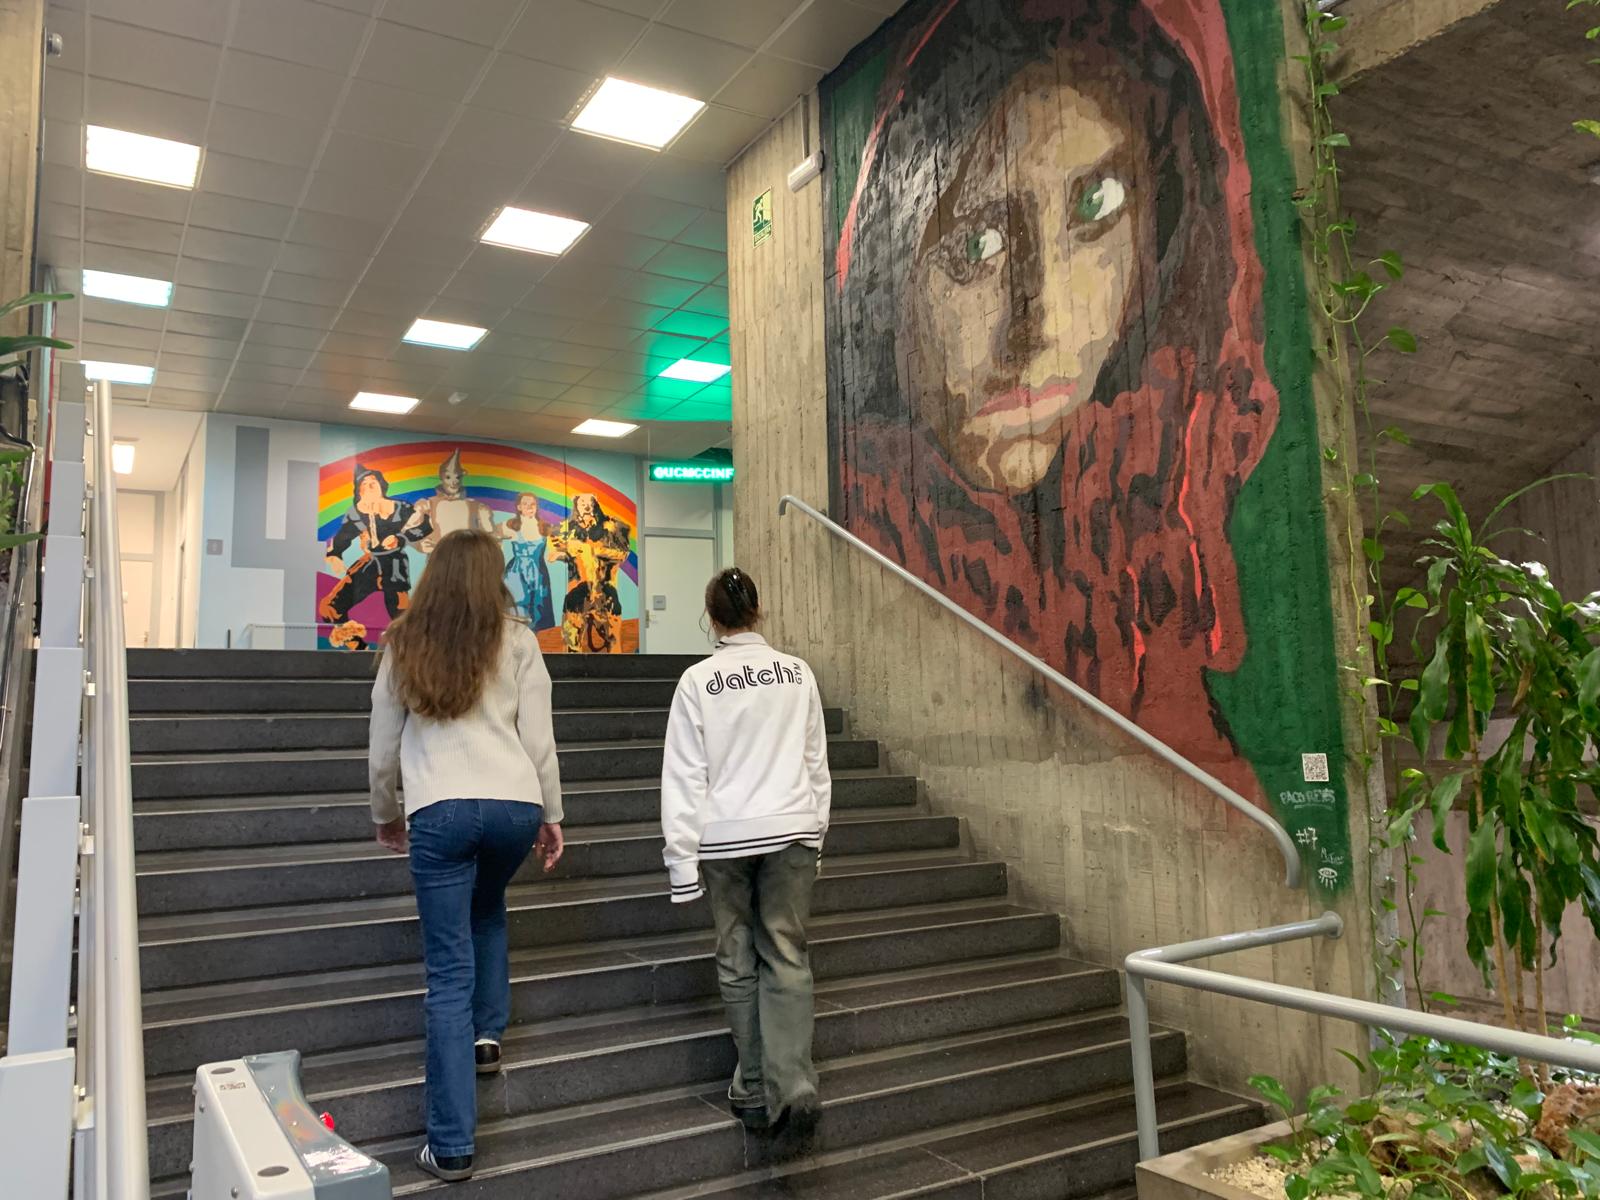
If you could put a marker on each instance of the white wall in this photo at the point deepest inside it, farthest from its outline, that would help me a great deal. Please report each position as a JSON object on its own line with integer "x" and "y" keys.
{"x": 190, "y": 531}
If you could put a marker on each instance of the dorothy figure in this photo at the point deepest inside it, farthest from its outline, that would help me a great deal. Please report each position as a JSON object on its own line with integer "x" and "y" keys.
{"x": 526, "y": 573}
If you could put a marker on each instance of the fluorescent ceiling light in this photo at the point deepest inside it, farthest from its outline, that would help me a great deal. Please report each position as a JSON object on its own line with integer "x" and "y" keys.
{"x": 695, "y": 371}
{"x": 536, "y": 232}
{"x": 130, "y": 289}
{"x": 596, "y": 428}
{"x": 451, "y": 336}
{"x": 119, "y": 372}
{"x": 379, "y": 402}
{"x": 122, "y": 458}
{"x": 633, "y": 113}
{"x": 137, "y": 156}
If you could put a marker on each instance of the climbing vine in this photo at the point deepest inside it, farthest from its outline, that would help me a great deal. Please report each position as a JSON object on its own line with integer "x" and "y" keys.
{"x": 1345, "y": 285}
{"x": 1588, "y": 124}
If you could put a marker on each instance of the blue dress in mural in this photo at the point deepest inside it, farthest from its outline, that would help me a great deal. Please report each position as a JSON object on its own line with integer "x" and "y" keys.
{"x": 529, "y": 578}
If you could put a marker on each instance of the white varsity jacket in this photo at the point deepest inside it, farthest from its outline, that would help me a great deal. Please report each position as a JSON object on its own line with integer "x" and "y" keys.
{"x": 746, "y": 765}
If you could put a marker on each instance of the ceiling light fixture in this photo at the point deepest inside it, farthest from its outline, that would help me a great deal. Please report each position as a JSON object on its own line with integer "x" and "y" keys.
{"x": 380, "y": 402}
{"x": 636, "y": 114}
{"x": 138, "y": 156}
{"x": 607, "y": 429}
{"x": 119, "y": 372}
{"x": 122, "y": 458}
{"x": 130, "y": 289}
{"x": 694, "y": 371}
{"x": 447, "y": 334}
{"x": 535, "y": 232}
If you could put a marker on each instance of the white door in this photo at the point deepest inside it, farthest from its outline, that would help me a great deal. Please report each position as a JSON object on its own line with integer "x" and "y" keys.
{"x": 138, "y": 531}
{"x": 138, "y": 590}
{"x": 676, "y": 571}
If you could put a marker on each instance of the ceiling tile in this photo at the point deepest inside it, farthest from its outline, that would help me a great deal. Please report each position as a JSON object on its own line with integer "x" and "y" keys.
{"x": 612, "y": 249}
{"x": 711, "y": 300}
{"x": 205, "y": 325}
{"x": 639, "y": 8}
{"x": 129, "y": 54}
{"x": 682, "y": 62}
{"x": 655, "y": 289}
{"x": 336, "y": 189}
{"x": 593, "y": 398}
{"x": 824, "y": 32}
{"x": 140, "y": 233}
{"x": 575, "y": 355}
{"x": 289, "y": 337}
{"x": 222, "y": 277}
{"x": 427, "y": 62}
{"x": 266, "y": 373}
{"x": 96, "y": 312}
{"x": 199, "y": 347}
{"x": 687, "y": 182}
{"x": 481, "y": 21}
{"x": 353, "y": 320}
{"x": 695, "y": 325}
{"x": 671, "y": 347}
{"x": 718, "y": 135}
{"x": 202, "y": 20}
{"x": 321, "y": 262}
{"x": 310, "y": 317}
{"x": 147, "y": 110}
{"x": 575, "y": 34}
{"x": 768, "y": 86}
{"x": 532, "y": 92}
{"x": 237, "y": 215}
{"x": 179, "y": 398}
{"x": 566, "y": 197}
{"x": 270, "y": 137}
{"x": 313, "y": 35}
{"x": 551, "y": 371}
{"x": 531, "y": 324}
{"x": 336, "y": 232}
{"x": 490, "y": 136}
{"x": 63, "y": 144}
{"x": 605, "y": 337}
{"x": 396, "y": 114}
{"x": 251, "y": 179}
{"x": 710, "y": 232}
{"x": 251, "y": 81}
{"x": 688, "y": 262}
{"x": 597, "y": 162}
{"x": 120, "y": 195}
{"x": 629, "y": 314}
{"x": 748, "y": 23}
{"x": 234, "y": 248}
{"x": 650, "y": 215}
{"x": 201, "y": 299}
{"x": 474, "y": 288}
{"x": 306, "y": 289}
{"x": 122, "y": 337}
{"x": 63, "y": 95}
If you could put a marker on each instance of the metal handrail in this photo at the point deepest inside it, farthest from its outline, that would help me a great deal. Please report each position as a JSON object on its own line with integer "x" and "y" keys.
{"x": 1165, "y": 964}
{"x": 1286, "y": 846}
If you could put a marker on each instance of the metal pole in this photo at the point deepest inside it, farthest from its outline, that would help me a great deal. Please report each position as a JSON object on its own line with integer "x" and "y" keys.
{"x": 1144, "y": 1076}
{"x": 1286, "y": 846}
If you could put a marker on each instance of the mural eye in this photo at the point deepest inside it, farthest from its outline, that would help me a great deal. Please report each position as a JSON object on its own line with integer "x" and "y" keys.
{"x": 1103, "y": 198}
{"x": 984, "y": 244}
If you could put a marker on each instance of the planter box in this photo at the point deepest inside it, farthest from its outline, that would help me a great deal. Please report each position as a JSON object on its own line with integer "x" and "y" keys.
{"x": 1185, "y": 1175}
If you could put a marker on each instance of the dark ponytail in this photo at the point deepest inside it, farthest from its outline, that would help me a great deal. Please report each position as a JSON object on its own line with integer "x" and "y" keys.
{"x": 732, "y": 601}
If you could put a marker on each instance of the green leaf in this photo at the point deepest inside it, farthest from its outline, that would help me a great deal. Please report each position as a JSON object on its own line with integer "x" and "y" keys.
{"x": 1325, "y": 90}
{"x": 1395, "y": 434}
{"x": 33, "y": 298}
{"x": 1474, "y": 1158}
{"x": 1434, "y": 696}
{"x": 1589, "y": 679}
{"x": 1443, "y": 799}
{"x": 1480, "y": 664}
{"x": 1336, "y": 139}
{"x": 1273, "y": 1092}
{"x": 1334, "y": 24}
{"x": 1392, "y": 264}
{"x": 1365, "y": 480}
{"x": 1481, "y": 867}
{"x": 1402, "y": 340}
{"x": 1587, "y": 127}
{"x": 1372, "y": 549}
{"x": 1593, "y": 33}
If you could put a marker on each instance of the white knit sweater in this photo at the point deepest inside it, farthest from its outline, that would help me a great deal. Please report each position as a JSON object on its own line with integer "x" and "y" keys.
{"x": 504, "y": 749}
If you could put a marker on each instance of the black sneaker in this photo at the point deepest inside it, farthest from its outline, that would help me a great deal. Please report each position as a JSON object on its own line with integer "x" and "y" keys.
{"x": 486, "y": 1052}
{"x": 452, "y": 1169}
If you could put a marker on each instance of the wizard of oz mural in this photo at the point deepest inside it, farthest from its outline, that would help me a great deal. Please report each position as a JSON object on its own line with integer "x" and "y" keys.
{"x": 566, "y": 521}
{"x": 1068, "y": 364}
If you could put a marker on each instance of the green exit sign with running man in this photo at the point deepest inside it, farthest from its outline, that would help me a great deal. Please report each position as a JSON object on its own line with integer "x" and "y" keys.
{"x": 691, "y": 472}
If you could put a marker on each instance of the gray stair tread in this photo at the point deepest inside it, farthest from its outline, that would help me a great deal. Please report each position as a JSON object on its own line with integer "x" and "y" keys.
{"x": 158, "y": 861}
{"x": 184, "y": 1004}
{"x": 233, "y": 922}
{"x": 562, "y": 1043}
{"x": 179, "y": 805}
{"x": 562, "y": 1134}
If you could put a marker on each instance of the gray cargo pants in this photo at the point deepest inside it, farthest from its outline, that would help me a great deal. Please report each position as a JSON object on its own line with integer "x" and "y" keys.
{"x": 761, "y": 905}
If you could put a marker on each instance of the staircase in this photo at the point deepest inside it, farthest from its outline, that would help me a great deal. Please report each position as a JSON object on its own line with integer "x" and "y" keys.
{"x": 961, "y": 1054}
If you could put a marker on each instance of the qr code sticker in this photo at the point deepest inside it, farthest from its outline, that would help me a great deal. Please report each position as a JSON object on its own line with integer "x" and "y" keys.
{"x": 1314, "y": 767}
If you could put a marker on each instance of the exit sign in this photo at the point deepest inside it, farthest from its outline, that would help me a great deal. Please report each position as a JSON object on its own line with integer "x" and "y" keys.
{"x": 691, "y": 472}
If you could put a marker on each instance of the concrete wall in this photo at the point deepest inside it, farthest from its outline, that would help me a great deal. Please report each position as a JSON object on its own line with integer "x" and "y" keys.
{"x": 1091, "y": 827}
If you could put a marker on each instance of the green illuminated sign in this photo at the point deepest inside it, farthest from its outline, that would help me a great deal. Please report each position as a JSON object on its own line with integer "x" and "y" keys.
{"x": 691, "y": 472}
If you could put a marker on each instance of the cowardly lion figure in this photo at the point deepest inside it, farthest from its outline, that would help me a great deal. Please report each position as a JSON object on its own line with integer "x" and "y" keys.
{"x": 593, "y": 546}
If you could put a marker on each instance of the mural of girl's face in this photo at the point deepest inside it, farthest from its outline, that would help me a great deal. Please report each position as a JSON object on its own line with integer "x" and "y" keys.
{"x": 528, "y": 507}
{"x": 1023, "y": 278}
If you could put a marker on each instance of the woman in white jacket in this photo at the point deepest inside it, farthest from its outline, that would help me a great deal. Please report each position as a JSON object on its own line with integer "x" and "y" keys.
{"x": 745, "y": 799}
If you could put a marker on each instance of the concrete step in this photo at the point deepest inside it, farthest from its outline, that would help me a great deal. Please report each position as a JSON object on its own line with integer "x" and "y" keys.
{"x": 210, "y": 880}
{"x": 350, "y": 1007}
{"x": 232, "y": 821}
{"x": 250, "y": 943}
{"x": 166, "y": 776}
{"x": 376, "y": 1093}
{"x": 148, "y": 696}
{"x": 325, "y": 664}
{"x": 680, "y": 1137}
{"x": 1083, "y": 1148}
{"x": 261, "y": 731}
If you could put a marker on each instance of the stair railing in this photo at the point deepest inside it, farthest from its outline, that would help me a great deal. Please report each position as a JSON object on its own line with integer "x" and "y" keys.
{"x": 1286, "y": 846}
{"x": 77, "y": 1108}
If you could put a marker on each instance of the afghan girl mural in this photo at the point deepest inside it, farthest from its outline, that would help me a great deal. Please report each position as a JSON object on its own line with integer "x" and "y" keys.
{"x": 1048, "y": 384}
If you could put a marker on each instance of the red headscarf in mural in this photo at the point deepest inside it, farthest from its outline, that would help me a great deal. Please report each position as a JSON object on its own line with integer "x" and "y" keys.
{"x": 1046, "y": 374}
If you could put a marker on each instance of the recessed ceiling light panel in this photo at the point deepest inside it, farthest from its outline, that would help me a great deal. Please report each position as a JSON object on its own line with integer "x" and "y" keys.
{"x": 695, "y": 371}
{"x": 113, "y": 372}
{"x": 535, "y": 232}
{"x": 380, "y": 402}
{"x": 608, "y": 429}
{"x": 122, "y": 458}
{"x": 139, "y": 156}
{"x": 130, "y": 289}
{"x": 447, "y": 334}
{"x": 636, "y": 114}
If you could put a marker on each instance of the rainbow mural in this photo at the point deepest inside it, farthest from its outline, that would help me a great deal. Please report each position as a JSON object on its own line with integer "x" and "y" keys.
{"x": 496, "y": 474}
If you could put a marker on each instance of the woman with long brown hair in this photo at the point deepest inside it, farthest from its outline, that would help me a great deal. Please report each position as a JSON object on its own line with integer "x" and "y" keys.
{"x": 462, "y": 710}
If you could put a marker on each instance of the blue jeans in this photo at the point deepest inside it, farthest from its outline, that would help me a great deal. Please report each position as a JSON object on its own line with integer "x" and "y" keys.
{"x": 463, "y": 854}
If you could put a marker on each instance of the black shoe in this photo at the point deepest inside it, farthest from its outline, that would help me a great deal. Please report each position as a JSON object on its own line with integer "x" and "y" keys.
{"x": 451, "y": 1169}
{"x": 487, "y": 1055}
{"x": 752, "y": 1117}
